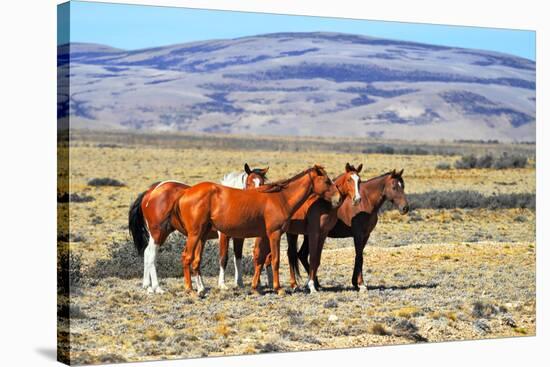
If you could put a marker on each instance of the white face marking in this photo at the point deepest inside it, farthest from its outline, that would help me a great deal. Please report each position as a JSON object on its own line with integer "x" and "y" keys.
{"x": 355, "y": 178}
{"x": 399, "y": 184}
{"x": 256, "y": 182}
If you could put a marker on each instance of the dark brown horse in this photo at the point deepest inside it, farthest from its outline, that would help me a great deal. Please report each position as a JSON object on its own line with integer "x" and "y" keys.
{"x": 262, "y": 212}
{"x": 151, "y": 221}
{"x": 359, "y": 221}
{"x": 315, "y": 218}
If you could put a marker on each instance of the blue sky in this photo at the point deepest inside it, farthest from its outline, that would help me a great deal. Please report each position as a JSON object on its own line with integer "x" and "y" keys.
{"x": 138, "y": 26}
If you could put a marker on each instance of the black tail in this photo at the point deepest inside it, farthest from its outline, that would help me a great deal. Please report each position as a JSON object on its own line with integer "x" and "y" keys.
{"x": 292, "y": 253}
{"x": 136, "y": 224}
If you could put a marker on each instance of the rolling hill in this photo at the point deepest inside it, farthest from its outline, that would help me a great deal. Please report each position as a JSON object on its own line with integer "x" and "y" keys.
{"x": 308, "y": 84}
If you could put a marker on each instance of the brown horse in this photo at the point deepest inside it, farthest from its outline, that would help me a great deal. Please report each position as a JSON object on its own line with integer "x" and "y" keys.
{"x": 262, "y": 212}
{"x": 315, "y": 218}
{"x": 359, "y": 221}
{"x": 151, "y": 221}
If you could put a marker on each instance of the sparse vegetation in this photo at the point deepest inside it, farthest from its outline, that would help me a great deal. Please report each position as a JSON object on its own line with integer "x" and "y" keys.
{"x": 505, "y": 161}
{"x": 105, "y": 181}
{"x": 470, "y": 199}
{"x": 424, "y": 276}
{"x": 443, "y": 166}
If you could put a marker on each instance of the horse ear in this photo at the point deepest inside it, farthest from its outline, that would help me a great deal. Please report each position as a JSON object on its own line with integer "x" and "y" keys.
{"x": 319, "y": 169}
{"x": 359, "y": 168}
{"x": 393, "y": 173}
{"x": 401, "y": 172}
{"x": 348, "y": 167}
{"x": 247, "y": 169}
{"x": 264, "y": 171}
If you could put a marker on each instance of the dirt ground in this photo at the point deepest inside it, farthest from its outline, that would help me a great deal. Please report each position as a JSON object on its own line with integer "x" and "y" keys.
{"x": 433, "y": 275}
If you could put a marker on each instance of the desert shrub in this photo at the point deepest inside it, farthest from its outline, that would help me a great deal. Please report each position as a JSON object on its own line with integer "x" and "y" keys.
{"x": 485, "y": 161}
{"x": 443, "y": 166}
{"x": 69, "y": 271}
{"x": 485, "y": 310}
{"x": 489, "y": 161}
{"x": 470, "y": 199}
{"x": 105, "y": 181}
{"x": 510, "y": 161}
{"x": 125, "y": 263}
{"x": 466, "y": 162}
{"x": 73, "y": 197}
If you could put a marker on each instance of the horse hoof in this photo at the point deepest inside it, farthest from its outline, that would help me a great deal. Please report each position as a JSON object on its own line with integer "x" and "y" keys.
{"x": 363, "y": 289}
{"x": 150, "y": 290}
{"x": 281, "y": 292}
{"x": 239, "y": 285}
{"x": 159, "y": 290}
{"x": 223, "y": 287}
{"x": 256, "y": 292}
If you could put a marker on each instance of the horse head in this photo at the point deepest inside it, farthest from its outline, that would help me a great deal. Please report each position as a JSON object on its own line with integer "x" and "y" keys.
{"x": 348, "y": 183}
{"x": 255, "y": 177}
{"x": 394, "y": 191}
{"x": 323, "y": 186}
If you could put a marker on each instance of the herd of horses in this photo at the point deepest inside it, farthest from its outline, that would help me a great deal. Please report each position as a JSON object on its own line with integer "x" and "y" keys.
{"x": 245, "y": 205}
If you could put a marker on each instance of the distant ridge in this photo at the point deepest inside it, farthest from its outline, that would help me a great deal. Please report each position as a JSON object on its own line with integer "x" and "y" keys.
{"x": 308, "y": 84}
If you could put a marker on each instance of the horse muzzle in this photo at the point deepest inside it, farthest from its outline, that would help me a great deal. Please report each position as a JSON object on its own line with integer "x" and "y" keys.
{"x": 336, "y": 200}
{"x": 404, "y": 209}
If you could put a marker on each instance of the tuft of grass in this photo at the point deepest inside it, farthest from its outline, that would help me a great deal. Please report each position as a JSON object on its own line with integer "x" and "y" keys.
{"x": 408, "y": 312}
{"x": 520, "y": 330}
{"x": 378, "y": 329}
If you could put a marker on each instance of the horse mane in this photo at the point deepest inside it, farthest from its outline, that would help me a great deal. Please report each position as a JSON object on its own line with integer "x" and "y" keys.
{"x": 278, "y": 186}
{"x": 384, "y": 175}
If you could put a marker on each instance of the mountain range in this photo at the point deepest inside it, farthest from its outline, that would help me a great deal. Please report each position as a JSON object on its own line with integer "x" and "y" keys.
{"x": 306, "y": 84}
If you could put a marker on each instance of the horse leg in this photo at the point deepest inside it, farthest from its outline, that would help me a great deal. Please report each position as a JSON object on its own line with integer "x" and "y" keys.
{"x": 314, "y": 260}
{"x": 320, "y": 245}
{"x": 268, "y": 271}
{"x": 303, "y": 254}
{"x": 223, "y": 243}
{"x": 358, "y": 266}
{"x": 275, "y": 246}
{"x": 196, "y": 263}
{"x": 362, "y": 286}
{"x": 261, "y": 250}
{"x": 292, "y": 240}
{"x": 186, "y": 259}
{"x": 238, "y": 257}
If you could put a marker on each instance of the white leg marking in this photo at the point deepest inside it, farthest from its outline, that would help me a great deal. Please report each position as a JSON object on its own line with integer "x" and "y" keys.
{"x": 357, "y": 196}
{"x": 311, "y": 286}
{"x": 146, "y": 269}
{"x": 363, "y": 288}
{"x": 238, "y": 272}
{"x": 198, "y": 284}
{"x": 221, "y": 279}
{"x": 150, "y": 258}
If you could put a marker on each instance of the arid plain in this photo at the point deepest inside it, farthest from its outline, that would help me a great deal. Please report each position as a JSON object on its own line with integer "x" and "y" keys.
{"x": 433, "y": 275}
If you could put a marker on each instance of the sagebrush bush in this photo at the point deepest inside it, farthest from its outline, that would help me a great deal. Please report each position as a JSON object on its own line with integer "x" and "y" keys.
{"x": 125, "y": 263}
{"x": 105, "y": 181}
{"x": 489, "y": 161}
{"x": 69, "y": 271}
{"x": 443, "y": 166}
{"x": 463, "y": 199}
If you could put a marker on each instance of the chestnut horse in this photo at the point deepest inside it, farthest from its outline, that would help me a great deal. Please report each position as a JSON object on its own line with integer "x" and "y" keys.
{"x": 262, "y": 212}
{"x": 150, "y": 221}
{"x": 359, "y": 221}
{"x": 237, "y": 181}
{"x": 316, "y": 218}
